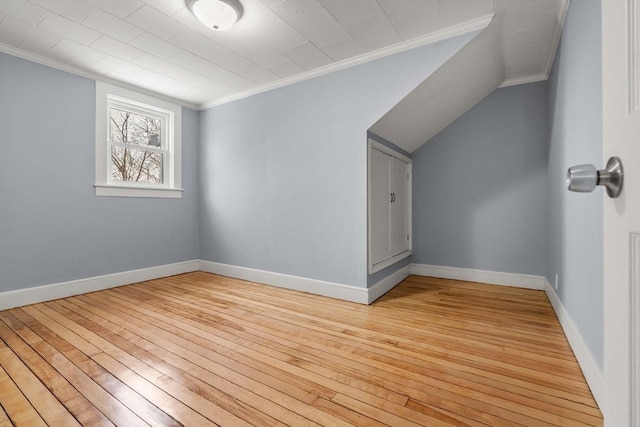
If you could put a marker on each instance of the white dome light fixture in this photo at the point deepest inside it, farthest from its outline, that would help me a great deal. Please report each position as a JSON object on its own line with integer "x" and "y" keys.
{"x": 218, "y": 15}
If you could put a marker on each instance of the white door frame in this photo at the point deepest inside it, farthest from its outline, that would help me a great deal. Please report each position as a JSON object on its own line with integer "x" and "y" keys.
{"x": 621, "y": 137}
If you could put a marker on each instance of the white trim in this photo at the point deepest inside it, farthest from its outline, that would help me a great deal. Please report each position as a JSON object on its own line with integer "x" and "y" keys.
{"x": 296, "y": 283}
{"x": 72, "y": 69}
{"x": 374, "y": 268}
{"x": 555, "y": 37}
{"x": 525, "y": 79}
{"x": 446, "y": 33}
{"x": 591, "y": 371}
{"x": 550, "y": 54}
{"x": 121, "y": 191}
{"x": 36, "y": 294}
{"x": 390, "y": 151}
{"x": 385, "y": 285}
{"x": 635, "y": 321}
{"x": 482, "y": 276}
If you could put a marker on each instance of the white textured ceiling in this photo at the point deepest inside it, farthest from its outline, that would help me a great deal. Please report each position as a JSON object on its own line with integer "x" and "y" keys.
{"x": 160, "y": 46}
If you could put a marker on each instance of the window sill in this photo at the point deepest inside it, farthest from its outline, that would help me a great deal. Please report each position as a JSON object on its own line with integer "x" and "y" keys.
{"x": 103, "y": 190}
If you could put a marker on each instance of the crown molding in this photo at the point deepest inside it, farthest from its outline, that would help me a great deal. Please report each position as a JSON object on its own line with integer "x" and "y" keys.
{"x": 532, "y": 78}
{"x": 550, "y": 54}
{"x": 72, "y": 69}
{"x": 555, "y": 37}
{"x": 446, "y": 33}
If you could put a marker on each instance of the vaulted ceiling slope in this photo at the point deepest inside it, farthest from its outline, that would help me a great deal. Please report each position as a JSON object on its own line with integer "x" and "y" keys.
{"x": 479, "y": 68}
{"x": 159, "y": 46}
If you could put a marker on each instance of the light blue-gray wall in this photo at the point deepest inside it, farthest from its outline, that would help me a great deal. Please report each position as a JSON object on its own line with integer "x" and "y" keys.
{"x": 283, "y": 173}
{"x": 479, "y": 187}
{"x": 575, "y": 219}
{"x": 53, "y": 228}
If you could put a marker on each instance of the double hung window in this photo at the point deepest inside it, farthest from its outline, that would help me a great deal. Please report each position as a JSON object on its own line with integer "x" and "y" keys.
{"x": 137, "y": 144}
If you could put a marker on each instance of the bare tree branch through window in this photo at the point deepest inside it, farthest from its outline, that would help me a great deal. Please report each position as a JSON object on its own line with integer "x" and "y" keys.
{"x": 132, "y": 133}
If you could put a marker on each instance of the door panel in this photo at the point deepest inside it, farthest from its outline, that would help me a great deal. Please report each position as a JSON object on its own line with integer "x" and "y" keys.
{"x": 399, "y": 227}
{"x": 380, "y": 166}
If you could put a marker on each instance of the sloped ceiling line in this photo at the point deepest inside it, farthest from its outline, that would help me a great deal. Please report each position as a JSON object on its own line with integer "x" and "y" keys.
{"x": 469, "y": 76}
{"x": 479, "y": 68}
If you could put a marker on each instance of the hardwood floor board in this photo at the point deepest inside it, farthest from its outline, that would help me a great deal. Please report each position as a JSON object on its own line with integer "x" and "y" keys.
{"x": 404, "y": 367}
{"x": 531, "y": 301}
{"x": 451, "y": 418}
{"x": 231, "y": 346}
{"x": 471, "y": 287}
{"x": 295, "y": 386}
{"x": 478, "y": 306}
{"x": 499, "y": 364}
{"x": 201, "y": 349}
{"x": 385, "y": 340}
{"x": 345, "y": 414}
{"x": 519, "y": 330}
{"x": 355, "y": 315}
{"x": 190, "y": 375}
{"x": 589, "y": 396}
{"x": 535, "y": 404}
{"x": 43, "y": 401}
{"x": 110, "y": 352}
{"x": 452, "y": 342}
{"x": 18, "y": 407}
{"x": 346, "y": 381}
{"x": 556, "y": 385}
{"x": 113, "y": 398}
{"x": 57, "y": 384}
{"x": 4, "y": 418}
{"x": 470, "y": 309}
{"x": 435, "y": 323}
{"x": 369, "y": 322}
{"x": 408, "y": 363}
{"x": 332, "y": 373}
{"x": 450, "y": 325}
{"x": 404, "y": 416}
{"x": 246, "y": 397}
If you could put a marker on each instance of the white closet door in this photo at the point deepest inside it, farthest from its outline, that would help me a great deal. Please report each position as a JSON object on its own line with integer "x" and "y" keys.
{"x": 399, "y": 215}
{"x": 380, "y": 169}
{"x": 389, "y": 206}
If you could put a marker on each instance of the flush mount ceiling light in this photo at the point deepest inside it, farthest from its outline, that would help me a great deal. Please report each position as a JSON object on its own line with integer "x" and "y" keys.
{"x": 216, "y": 14}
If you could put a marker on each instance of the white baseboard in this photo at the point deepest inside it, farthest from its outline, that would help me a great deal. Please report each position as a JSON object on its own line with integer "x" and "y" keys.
{"x": 492, "y": 277}
{"x": 385, "y": 285}
{"x": 590, "y": 369}
{"x": 36, "y": 294}
{"x": 296, "y": 283}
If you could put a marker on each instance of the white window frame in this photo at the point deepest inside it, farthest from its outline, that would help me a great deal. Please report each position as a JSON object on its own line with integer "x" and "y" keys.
{"x": 108, "y": 96}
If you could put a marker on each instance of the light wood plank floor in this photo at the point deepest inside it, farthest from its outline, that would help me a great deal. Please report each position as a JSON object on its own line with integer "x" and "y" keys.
{"x": 199, "y": 349}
